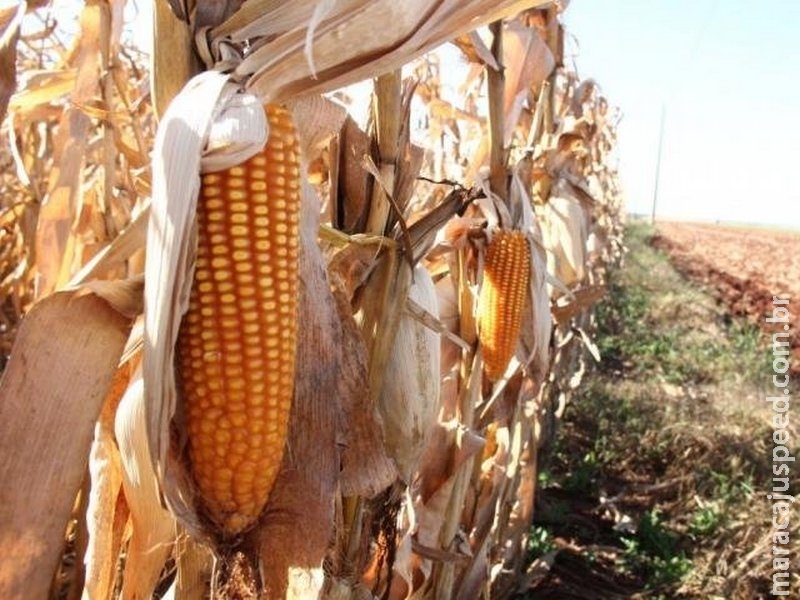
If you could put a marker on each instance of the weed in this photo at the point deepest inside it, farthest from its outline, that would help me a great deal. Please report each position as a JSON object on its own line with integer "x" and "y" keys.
{"x": 540, "y": 542}
{"x": 544, "y": 477}
{"x": 668, "y": 433}
{"x": 705, "y": 521}
{"x": 654, "y": 553}
{"x": 583, "y": 478}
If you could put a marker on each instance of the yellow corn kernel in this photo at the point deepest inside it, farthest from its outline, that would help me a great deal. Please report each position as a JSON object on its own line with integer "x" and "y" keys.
{"x": 504, "y": 292}
{"x": 236, "y": 347}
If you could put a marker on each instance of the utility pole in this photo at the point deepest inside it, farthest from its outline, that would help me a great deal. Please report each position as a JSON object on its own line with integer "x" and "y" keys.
{"x": 658, "y": 162}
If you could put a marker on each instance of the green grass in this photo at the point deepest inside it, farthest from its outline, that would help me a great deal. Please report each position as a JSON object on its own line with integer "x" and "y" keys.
{"x": 540, "y": 542}
{"x": 672, "y": 428}
{"x": 657, "y": 325}
{"x": 706, "y": 520}
{"x": 655, "y": 552}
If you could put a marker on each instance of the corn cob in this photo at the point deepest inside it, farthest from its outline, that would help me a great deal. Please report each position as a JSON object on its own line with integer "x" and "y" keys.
{"x": 506, "y": 279}
{"x": 236, "y": 347}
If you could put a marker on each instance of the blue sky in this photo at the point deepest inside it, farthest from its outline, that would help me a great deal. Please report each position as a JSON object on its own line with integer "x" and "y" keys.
{"x": 728, "y": 74}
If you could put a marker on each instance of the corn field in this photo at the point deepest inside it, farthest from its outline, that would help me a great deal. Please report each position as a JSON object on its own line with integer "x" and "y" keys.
{"x": 265, "y": 336}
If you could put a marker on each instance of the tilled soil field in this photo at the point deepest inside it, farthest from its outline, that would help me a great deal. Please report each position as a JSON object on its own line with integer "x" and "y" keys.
{"x": 744, "y": 267}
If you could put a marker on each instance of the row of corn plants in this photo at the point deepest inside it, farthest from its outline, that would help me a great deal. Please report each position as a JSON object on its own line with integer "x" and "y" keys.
{"x": 255, "y": 345}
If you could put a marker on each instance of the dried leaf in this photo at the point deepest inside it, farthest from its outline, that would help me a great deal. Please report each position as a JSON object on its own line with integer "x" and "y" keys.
{"x": 128, "y": 242}
{"x": 590, "y": 345}
{"x": 318, "y": 119}
{"x": 347, "y": 45}
{"x": 295, "y": 534}
{"x": 528, "y": 62}
{"x": 55, "y": 218}
{"x": 11, "y": 15}
{"x": 476, "y": 50}
{"x": 40, "y": 88}
{"x": 583, "y": 298}
{"x": 153, "y": 527}
{"x": 446, "y": 458}
{"x": 367, "y": 469}
{"x": 105, "y": 470}
{"x": 354, "y": 190}
{"x": 50, "y": 396}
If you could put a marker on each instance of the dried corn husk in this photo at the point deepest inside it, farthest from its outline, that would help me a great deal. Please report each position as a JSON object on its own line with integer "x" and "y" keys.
{"x": 46, "y": 434}
{"x": 153, "y": 527}
{"x": 318, "y": 46}
{"x": 105, "y": 470}
{"x": 537, "y": 322}
{"x": 410, "y": 400}
{"x": 565, "y": 231}
{"x": 284, "y": 50}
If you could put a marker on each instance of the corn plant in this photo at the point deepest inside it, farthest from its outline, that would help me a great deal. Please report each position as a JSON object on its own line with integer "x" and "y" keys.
{"x": 261, "y": 349}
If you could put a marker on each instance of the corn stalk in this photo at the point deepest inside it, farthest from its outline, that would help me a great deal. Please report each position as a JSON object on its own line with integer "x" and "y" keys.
{"x": 406, "y": 470}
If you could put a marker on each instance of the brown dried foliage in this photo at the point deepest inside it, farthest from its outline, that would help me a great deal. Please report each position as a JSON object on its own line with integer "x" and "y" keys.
{"x": 437, "y": 518}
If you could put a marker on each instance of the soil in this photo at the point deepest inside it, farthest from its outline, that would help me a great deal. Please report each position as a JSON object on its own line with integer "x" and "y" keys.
{"x": 653, "y": 451}
{"x": 743, "y": 267}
